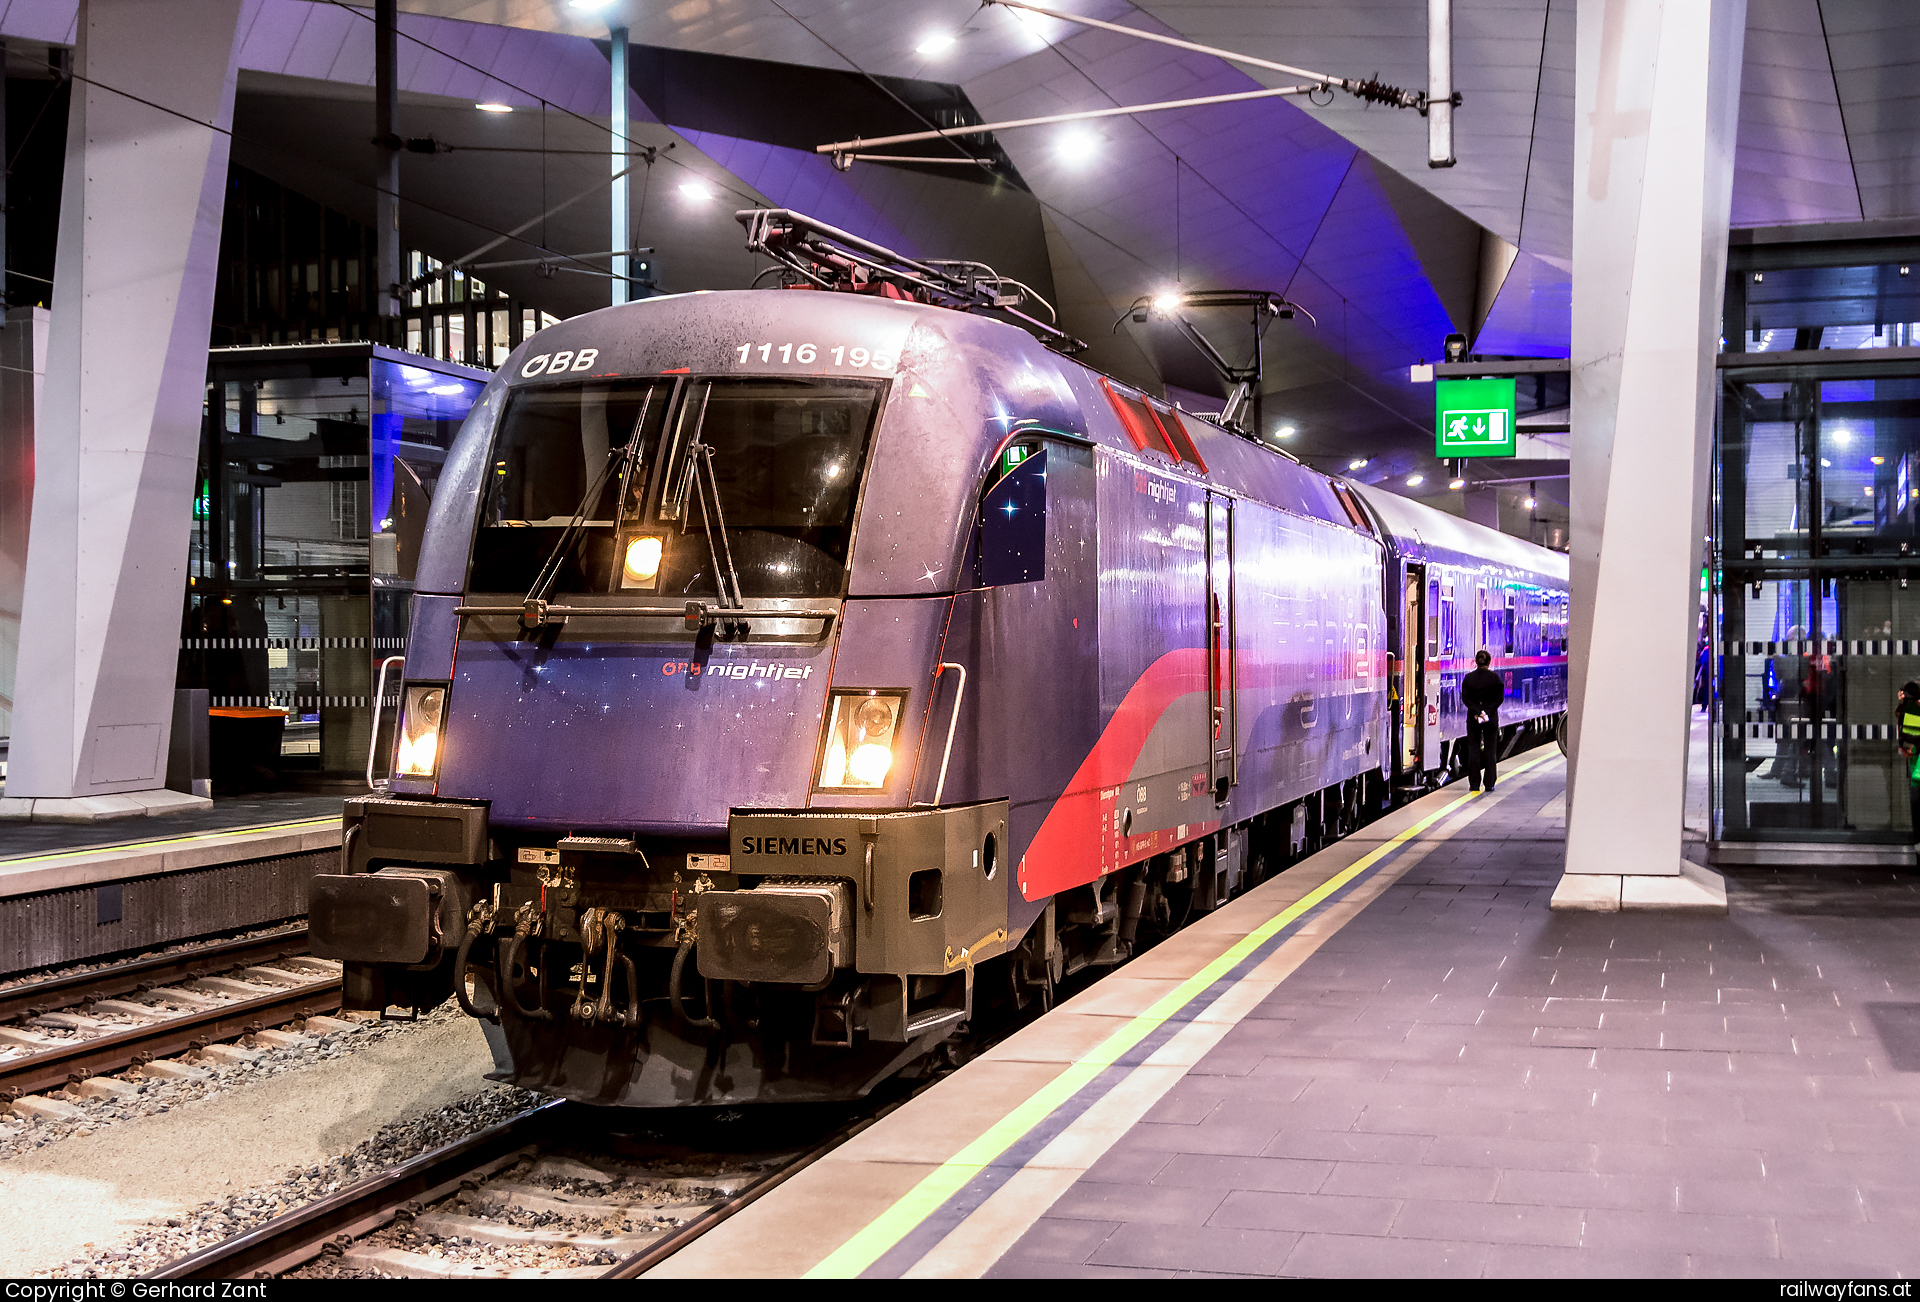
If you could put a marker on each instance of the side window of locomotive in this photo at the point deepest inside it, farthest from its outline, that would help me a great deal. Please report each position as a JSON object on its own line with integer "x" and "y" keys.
{"x": 776, "y": 463}
{"x": 1013, "y": 518}
{"x": 554, "y": 445}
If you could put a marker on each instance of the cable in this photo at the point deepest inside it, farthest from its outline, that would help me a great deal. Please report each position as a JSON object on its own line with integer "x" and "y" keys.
{"x": 288, "y": 153}
{"x": 751, "y": 200}
{"x": 879, "y": 85}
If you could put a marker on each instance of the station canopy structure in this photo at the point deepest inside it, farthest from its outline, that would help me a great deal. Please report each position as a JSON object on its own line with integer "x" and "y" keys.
{"x": 1330, "y": 204}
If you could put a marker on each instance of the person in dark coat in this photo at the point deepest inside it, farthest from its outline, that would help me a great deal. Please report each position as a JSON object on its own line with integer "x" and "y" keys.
{"x": 1481, "y": 692}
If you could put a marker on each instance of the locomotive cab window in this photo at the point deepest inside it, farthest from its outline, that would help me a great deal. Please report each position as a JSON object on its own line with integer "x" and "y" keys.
{"x": 776, "y": 465}
{"x": 564, "y": 452}
{"x": 754, "y": 479}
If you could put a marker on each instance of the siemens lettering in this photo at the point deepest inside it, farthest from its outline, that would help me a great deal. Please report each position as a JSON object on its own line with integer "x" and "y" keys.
{"x": 804, "y": 845}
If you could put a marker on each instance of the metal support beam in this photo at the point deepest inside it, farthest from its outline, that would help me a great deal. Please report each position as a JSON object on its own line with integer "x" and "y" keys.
{"x": 1440, "y": 83}
{"x": 387, "y": 144}
{"x": 620, "y": 209}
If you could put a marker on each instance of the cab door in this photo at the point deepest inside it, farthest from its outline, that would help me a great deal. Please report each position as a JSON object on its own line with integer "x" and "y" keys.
{"x": 1222, "y": 754}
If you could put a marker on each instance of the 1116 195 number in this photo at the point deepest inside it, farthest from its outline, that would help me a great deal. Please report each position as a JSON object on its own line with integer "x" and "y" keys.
{"x": 808, "y": 355}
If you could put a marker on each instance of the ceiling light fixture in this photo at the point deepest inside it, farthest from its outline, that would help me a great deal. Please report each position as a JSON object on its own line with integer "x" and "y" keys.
{"x": 1414, "y": 481}
{"x": 1285, "y": 432}
{"x": 494, "y": 108}
{"x": 1077, "y": 146}
{"x": 697, "y": 191}
{"x": 588, "y": 5}
{"x": 1878, "y": 461}
{"x": 938, "y": 43}
{"x": 1457, "y": 484}
{"x": 1168, "y": 302}
{"x": 1358, "y": 463}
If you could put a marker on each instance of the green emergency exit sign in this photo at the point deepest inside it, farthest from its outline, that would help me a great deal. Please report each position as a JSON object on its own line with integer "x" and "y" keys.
{"x": 1474, "y": 418}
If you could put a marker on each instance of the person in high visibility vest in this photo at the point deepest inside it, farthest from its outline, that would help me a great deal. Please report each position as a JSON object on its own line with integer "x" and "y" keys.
{"x": 1907, "y": 717}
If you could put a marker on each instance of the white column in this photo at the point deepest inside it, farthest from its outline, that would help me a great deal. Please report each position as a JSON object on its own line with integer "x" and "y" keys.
{"x": 118, "y": 432}
{"x": 620, "y": 224}
{"x": 1655, "y": 111}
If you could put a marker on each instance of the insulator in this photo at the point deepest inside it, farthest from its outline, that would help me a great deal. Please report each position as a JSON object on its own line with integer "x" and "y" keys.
{"x": 1375, "y": 91}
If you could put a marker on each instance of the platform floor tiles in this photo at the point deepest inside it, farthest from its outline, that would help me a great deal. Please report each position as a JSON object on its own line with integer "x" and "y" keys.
{"x": 1456, "y": 1081}
{"x": 228, "y": 813}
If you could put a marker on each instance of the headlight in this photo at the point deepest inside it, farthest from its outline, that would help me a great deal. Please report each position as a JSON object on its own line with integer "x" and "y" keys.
{"x": 423, "y": 717}
{"x": 640, "y": 565}
{"x": 857, "y": 752}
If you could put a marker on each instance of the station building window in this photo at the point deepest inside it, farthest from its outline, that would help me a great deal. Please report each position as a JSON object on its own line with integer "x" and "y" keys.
{"x": 316, "y": 470}
{"x": 1811, "y": 620}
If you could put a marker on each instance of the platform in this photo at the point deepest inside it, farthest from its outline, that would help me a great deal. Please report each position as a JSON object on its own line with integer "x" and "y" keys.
{"x": 1395, "y": 1060}
{"x": 74, "y": 891}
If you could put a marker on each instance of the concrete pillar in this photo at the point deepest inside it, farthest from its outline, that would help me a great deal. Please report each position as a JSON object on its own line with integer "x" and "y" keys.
{"x": 23, "y": 359}
{"x": 1657, "y": 88}
{"x": 118, "y": 430}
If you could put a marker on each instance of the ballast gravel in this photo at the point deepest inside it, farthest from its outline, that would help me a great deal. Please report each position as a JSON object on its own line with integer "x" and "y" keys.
{"x": 219, "y": 1219}
{"x": 94, "y": 1196}
{"x": 20, "y": 1134}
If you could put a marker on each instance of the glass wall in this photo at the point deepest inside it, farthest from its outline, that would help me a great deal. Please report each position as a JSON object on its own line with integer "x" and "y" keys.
{"x": 1817, "y": 517}
{"x": 317, "y": 466}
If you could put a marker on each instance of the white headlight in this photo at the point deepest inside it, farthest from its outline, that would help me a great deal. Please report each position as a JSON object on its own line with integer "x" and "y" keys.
{"x": 423, "y": 716}
{"x": 857, "y": 752}
{"x": 641, "y": 565}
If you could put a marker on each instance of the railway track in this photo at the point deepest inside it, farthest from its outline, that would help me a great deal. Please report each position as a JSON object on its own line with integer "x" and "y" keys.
{"x": 549, "y": 1194}
{"x": 69, "y": 1031}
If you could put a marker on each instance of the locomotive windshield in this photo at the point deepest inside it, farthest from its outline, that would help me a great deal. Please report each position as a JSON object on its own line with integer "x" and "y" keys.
{"x": 758, "y": 474}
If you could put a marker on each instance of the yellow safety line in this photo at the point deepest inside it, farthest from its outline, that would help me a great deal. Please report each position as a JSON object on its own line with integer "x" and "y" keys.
{"x": 870, "y": 1244}
{"x": 129, "y": 846}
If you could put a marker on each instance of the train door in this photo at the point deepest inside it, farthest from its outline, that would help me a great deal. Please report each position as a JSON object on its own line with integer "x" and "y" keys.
{"x": 1441, "y": 616}
{"x": 1222, "y": 672}
{"x": 1413, "y": 664}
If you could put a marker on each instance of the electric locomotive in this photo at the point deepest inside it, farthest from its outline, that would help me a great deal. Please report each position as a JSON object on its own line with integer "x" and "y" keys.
{"x": 790, "y": 672}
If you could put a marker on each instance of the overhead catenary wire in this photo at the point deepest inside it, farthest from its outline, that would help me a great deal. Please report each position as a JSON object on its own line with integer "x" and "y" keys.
{"x": 1370, "y": 89}
{"x": 241, "y": 138}
{"x": 545, "y": 104}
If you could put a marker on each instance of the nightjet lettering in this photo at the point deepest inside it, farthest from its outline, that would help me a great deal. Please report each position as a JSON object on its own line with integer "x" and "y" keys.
{"x": 738, "y": 669}
{"x": 793, "y": 845}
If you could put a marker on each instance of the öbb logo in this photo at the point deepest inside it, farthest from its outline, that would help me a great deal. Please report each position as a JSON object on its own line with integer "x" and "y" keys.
{"x": 554, "y": 363}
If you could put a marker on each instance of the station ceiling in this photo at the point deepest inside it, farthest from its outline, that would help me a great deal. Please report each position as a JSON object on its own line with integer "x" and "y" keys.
{"x": 1332, "y": 205}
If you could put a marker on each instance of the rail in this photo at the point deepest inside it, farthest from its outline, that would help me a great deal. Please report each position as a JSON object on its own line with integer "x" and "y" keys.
{"x": 288, "y": 1241}
{"x": 69, "y": 989}
{"x": 51, "y": 1064}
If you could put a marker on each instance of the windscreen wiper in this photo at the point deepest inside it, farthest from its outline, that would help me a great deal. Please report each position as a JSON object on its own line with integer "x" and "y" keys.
{"x": 533, "y": 607}
{"x": 701, "y": 455}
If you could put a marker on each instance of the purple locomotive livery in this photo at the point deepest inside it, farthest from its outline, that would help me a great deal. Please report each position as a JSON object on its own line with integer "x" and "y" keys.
{"x": 790, "y": 670}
